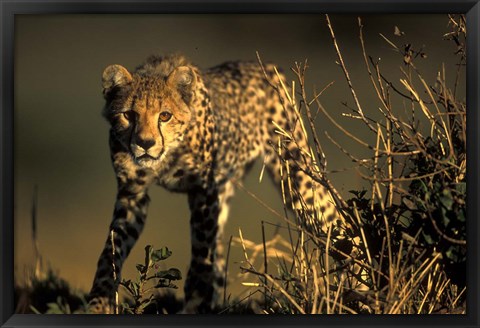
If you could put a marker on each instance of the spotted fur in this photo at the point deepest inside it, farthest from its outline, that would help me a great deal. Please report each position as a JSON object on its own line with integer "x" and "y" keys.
{"x": 193, "y": 132}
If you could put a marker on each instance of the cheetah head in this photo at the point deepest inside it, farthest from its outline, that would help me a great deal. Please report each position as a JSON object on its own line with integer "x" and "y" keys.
{"x": 149, "y": 113}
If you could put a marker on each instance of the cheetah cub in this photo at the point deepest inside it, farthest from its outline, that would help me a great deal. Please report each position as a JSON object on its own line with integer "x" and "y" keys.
{"x": 193, "y": 132}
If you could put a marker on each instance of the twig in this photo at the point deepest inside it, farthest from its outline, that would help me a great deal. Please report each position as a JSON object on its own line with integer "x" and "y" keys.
{"x": 226, "y": 271}
{"x": 347, "y": 75}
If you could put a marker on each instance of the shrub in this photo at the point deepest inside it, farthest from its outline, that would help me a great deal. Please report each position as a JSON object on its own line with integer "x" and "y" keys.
{"x": 405, "y": 245}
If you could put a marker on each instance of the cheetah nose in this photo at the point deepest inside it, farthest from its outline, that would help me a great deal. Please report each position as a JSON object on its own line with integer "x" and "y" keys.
{"x": 145, "y": 143}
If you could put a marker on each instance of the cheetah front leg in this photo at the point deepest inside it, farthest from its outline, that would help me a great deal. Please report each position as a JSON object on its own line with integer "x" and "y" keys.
{"x": 204, "y": 273}
{"x": 128, "y": 220}
{"x": 127, "y": 224}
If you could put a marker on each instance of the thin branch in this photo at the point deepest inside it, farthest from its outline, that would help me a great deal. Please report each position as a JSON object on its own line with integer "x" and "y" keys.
{"x": 347, "y": 76}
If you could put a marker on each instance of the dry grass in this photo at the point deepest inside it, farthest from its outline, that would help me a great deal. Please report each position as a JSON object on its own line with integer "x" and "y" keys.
{"x": 407, "y": 228}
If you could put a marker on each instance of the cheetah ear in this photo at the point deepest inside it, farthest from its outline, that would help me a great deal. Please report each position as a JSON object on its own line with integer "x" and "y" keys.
{"x": 183, "y": 79}
{"x": 114, "y": 76}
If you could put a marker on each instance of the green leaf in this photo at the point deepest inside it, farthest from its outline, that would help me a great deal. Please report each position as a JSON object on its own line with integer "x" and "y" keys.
{"x": 34, "y": 310}
{"x": 60, "y": 307}
{"x": 451, "y": 254}
{"x": 126, "y": 308}
{"x": 170, "y": 274}
{"x": 358, "y": 194}
{"x": 53, "y": 308}
{"x": 408, "y": 203}
{"x": 422, "y": 187}
{"x": 445, "y": 218}
{"x": 428, "y": 238}
{"x": 141, "y": 268}
{"x": 163, "y": 283}
{"x": 161, "y": 254}
{"x": 147, "y": 300}
{"x": 461, "y": 187}
{"x": 446, "y": 199}
{"x": 142, "y": 307}
{"x": 148, "y": 255}
{"x": 135, "y": 288}
{"x": 128, "y": 285}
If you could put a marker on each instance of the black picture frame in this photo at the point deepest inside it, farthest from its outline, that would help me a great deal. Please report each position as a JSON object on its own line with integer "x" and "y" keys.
{"x": 10, "y": 8}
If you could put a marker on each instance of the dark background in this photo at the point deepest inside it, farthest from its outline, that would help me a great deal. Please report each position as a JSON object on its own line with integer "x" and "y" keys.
{"x": 61, "y": 140}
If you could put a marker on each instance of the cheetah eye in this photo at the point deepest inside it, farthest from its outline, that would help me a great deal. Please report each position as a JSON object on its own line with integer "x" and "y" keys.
{"x": 129, "y": 115}
{"x": 165, "y": 116}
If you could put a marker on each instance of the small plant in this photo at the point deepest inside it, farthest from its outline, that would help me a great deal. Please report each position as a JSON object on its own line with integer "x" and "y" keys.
{"x": 150, "y": 278}
{"x": 48, "y": 294}
{"x": 61, "y": 306}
